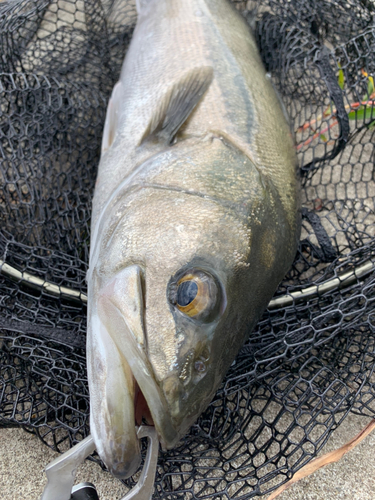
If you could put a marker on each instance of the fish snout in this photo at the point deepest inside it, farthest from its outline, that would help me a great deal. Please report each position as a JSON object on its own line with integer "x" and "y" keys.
{"x": 195, "y": 364}
{"x": 184, "y": 388}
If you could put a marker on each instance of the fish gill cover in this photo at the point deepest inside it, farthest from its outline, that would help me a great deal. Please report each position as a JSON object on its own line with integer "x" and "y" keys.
{"x": 310, "y": 361}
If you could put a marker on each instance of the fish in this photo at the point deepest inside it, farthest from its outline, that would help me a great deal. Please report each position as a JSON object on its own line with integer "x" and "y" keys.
{"x": 195, "y": 221}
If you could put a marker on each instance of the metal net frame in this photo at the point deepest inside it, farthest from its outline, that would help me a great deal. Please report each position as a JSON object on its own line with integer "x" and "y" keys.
{"x": 310, "y": 361}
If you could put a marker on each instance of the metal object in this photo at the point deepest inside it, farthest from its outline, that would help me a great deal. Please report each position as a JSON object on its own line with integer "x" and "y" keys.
{"x": 41, "y": 284}
{"x": 84, "y": 491}
{"x": 338, "y": 282}
{"x": 61, "y": 472}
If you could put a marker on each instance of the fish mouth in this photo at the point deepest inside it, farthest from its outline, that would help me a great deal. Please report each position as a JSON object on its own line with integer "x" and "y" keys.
{"x": 123, "y": 390}
{"x": 142, "y": 412}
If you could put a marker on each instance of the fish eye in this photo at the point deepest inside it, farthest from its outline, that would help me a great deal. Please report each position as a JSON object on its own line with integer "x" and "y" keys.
{"x": 196, "y": 294}
{"x": 187, "y": 291}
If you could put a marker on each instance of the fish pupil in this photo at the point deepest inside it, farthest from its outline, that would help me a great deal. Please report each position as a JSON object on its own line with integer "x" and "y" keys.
{"x": 186, "y": 293}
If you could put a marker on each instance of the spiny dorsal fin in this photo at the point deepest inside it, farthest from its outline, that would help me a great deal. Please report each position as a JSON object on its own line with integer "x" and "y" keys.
{"x": 178, "y": 103}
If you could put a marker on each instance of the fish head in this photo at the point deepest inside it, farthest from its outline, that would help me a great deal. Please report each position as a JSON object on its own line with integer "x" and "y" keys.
{"x": 177, "y": 280}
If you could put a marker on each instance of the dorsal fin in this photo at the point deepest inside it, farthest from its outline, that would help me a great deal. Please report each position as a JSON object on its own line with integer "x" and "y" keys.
{"x": 178, "y": 103}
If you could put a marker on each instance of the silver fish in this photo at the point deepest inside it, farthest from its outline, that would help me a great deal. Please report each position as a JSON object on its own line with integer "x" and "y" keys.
{"x": 195, "y": 222}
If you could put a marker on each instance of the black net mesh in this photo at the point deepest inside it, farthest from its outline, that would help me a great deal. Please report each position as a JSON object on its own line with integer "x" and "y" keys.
{"x": 311, "y": 358}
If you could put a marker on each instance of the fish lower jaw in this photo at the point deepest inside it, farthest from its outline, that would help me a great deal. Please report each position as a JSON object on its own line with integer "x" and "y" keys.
{"x": 114, "y": 427}
{"x": 121, "y": 459}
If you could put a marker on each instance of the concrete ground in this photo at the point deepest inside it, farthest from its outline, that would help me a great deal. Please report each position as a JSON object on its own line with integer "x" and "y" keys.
{"x": 23, "y": 458}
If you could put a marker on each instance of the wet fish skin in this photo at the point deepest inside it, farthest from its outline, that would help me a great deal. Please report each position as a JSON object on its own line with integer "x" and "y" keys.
{"x": 220, "y": 204}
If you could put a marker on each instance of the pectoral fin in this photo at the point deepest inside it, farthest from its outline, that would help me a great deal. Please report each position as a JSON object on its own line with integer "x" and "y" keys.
{"x": 111, "y": 119}
{"x": 178, "y": 103}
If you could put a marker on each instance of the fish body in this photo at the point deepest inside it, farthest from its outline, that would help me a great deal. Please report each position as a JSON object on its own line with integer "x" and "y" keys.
{"x": 195, "y": 222}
